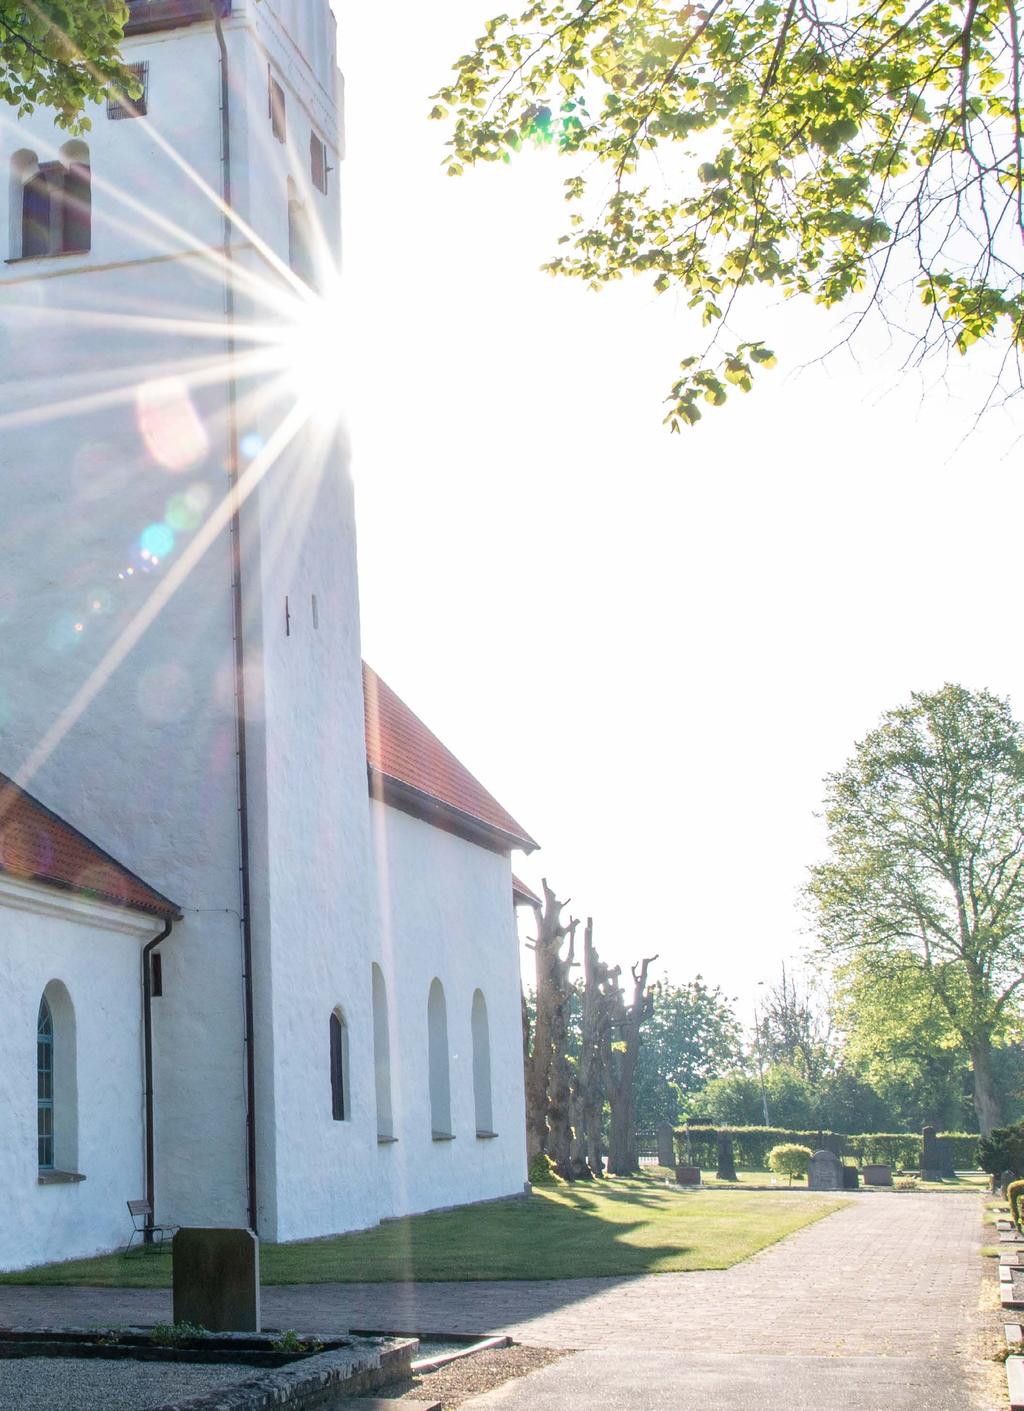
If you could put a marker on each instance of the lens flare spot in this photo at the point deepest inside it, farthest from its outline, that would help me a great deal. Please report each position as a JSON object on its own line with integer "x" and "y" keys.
{"x": 169, "y": 424}
{"x": 157, "y": 540}
{"x": 100, "y": 600}
{"x": 251, "y": 445}
{"x": 181, "y": 516}
{"x": 64, "y": 633}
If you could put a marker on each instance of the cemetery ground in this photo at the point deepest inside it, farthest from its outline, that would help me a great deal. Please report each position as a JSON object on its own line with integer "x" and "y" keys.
{"x": 885, "y": 1304}
{"x": 608, "y": 1229}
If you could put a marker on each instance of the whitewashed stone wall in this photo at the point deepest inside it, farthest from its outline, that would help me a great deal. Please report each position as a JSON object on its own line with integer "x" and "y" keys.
{"x": 93, "y": 951}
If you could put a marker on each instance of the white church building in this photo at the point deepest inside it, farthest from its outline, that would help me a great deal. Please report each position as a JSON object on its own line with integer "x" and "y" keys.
{"x": 258, "y": 956}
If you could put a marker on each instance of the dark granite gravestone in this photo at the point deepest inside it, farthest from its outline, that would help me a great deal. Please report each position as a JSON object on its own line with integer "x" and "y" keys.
{"x": 931, "y": 1160}
{"x": 217, "y": 1279}
{"x": 824, "y": 1172}
{"x": 851, "y": 1178}
{"x": 666, "y": 1145}
{"x": 687, "y": 1175}
{"x": 875, "y": 1174}
{"x": 726, "y": 1168}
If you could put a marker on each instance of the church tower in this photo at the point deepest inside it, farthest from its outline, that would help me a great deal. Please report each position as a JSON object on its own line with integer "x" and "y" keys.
{"x": 180, "y": 661}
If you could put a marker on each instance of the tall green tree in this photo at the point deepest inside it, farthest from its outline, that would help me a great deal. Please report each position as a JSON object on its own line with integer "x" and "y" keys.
{"x": 690, "y": 1036}
{"x": 924, "y": 882}
{"x": 61, "y": 54}
{"x": 833, "y": 152}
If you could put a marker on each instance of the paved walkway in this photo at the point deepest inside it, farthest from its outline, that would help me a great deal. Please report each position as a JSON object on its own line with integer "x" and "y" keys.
{"x": 881, "y": 1296}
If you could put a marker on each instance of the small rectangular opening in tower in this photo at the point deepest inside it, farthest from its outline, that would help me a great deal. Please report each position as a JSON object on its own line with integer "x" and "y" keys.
{"x": 287, "y": 619}
{"x": 124, "y": 106}
{"x": 278, "y": 119}
{"x": 318, "y": 163}
{"x": 316, "y": 613}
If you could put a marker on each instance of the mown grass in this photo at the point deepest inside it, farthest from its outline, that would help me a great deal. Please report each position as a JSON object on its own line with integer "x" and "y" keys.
{"x": 618, "y": 1227}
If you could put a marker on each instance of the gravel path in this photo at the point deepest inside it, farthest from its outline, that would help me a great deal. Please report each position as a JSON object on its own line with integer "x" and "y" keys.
{"x": 105, "y": 1384}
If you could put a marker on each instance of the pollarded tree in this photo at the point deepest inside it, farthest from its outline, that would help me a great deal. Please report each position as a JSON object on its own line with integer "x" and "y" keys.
{"x": 925, "y": 872}
{"x": 61, "y": 54}
{"x": 830, "y": 150}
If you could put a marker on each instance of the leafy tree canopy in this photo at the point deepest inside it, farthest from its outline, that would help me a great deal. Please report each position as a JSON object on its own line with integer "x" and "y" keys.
{"x": 870, "y": 148}
{"x": 923, "y": 887}
{"x": 690, "y": 1036}
{"x": 61, "y": 54}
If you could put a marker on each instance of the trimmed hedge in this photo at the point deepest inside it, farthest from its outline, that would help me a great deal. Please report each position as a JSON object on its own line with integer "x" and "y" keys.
{"x": 751, "y": 1146}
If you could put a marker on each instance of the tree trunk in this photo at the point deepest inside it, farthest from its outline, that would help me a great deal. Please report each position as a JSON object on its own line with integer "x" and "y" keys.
{"x": 559, "y": 1146}
{"x": 590, "y": 1077}
{"x": 546, "y": 949}
{"x": 986, "y": 1099}
{"x": 620, "y": 1056}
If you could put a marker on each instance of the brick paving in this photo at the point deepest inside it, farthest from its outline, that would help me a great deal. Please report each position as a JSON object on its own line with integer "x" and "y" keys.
{"x": 888, "y": 1276}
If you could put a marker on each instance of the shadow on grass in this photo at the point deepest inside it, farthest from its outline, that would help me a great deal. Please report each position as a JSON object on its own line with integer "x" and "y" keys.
{"x": 607, "y": 1229}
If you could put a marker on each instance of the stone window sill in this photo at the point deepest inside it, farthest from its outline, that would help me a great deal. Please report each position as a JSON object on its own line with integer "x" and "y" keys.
{"x": 51, "y": 255}
{"x": 443, "y": 1136}
{"x": 60, "y": 1178}
{"x": 386, "y": 1141}
{"x": 486, "y": 1136}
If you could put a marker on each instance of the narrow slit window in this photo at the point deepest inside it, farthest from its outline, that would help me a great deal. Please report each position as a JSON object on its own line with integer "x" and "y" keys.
{"x": 340, "y": 1105}
{"x": 278, "y": 116}
{"x": 318, "y": 167}
{"x": 316, "y": 613}
{"x": 122, "y": 105}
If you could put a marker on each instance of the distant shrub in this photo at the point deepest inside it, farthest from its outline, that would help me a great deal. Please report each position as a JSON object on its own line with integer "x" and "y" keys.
{"x": 1002, "y": 1150}
{"x": 542, "y": 1172}
{"x": 1015, "y": 1195}
{"x": 790, "y": 1160}
{"x": 905, "y": 1183}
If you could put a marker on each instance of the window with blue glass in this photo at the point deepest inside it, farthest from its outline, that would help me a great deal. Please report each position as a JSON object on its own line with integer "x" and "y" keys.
{"x": 44, "y": 1069}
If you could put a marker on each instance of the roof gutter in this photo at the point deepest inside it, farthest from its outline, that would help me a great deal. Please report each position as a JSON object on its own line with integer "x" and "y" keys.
{"x": 147, "y": 1033}
{"x": 239, "y": 646}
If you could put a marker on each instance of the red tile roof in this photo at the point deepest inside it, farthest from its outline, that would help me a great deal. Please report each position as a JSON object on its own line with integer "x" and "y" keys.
{"x": 401, "y": 750}
{"x": 521, "y": 893}
{"x": 37, "y": 845}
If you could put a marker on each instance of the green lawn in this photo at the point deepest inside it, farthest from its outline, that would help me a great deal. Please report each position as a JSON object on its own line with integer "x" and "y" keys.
{"x": 620, "y": 1227}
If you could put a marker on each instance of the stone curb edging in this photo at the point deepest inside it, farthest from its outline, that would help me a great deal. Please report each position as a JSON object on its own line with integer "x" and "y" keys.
{"x": 1014, "y": 1334}
{"x": 315, "y": 1382}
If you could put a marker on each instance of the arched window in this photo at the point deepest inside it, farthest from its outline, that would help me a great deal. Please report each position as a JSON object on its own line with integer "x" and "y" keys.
{"x": 340, "y": 1100}
{"x": 382, "y": 1056}
{"x": 56, "y": 1081}
{"x": 482, "y": 1066}
{"x": 44, "y": 1069}
{"x": 51, "y": 203}
{"x": 437, "y": 1056}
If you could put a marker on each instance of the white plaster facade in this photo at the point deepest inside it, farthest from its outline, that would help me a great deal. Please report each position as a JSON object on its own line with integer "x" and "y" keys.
{"x": 93, "y": 951}
{"x": 97, "y": 445}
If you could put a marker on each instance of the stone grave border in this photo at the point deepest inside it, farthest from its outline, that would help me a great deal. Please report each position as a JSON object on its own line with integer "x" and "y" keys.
{"x": 306, "y": 1383}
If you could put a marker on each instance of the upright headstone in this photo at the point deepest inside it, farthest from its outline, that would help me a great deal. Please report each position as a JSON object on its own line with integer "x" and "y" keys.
{"x": 726, "y": 1169}
{"x": 666, "y": 1145}
{"x": 217, "y": 1279}
{"x": 688, "y": 1175}
{"x": 825, "y": 1172}
{"x": 875, "y": 1174}
{"x": 931, "y": 1165}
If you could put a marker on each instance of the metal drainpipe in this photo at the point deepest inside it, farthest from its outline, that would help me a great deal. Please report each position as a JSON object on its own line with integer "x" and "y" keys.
{"x": 236, "y": 603}
{"x": 147, "y": 1032}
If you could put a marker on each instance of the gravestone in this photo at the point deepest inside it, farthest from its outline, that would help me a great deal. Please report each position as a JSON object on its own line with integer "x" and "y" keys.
{"x": 824, "y": 1172}
{"x": 931, "y": 1160}
{"x": 217, "y": 1279}
{"x": 726, "y": 1168}
{"x": 666, "y": 1145}
{"x": 687, "y": 1175}
{"x": 851, "y": 1178}
{"x": 875, "y": 1174}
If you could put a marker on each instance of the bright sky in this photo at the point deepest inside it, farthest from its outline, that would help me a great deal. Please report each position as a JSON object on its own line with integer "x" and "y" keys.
{"x": 650, "y": 648}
